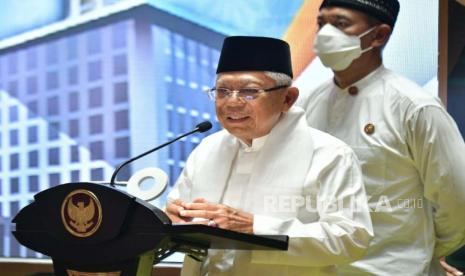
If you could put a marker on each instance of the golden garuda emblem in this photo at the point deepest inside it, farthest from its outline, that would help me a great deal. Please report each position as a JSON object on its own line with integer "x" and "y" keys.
{"x": 81, "y": 213}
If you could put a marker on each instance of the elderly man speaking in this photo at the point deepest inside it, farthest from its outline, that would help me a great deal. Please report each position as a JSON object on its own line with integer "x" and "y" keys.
{"x": 267, "y": 172}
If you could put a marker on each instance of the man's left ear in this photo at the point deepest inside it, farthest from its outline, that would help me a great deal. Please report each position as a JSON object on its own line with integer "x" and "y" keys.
{"x": 383, "y": 32}
{"x": 292, "y": 94}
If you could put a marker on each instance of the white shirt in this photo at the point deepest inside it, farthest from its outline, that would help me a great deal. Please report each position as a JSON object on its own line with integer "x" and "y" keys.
{"x": 268, "y": 179}
{"x": 413, "y": 162}
{"x": 241, "y": 171}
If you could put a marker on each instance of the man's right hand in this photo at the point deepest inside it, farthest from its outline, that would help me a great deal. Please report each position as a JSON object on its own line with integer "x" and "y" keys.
{"x": 450, "y": 270}
{"x": 173, "y": 208}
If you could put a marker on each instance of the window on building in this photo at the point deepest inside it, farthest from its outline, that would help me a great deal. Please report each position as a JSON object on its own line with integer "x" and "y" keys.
{"x": 54, "y": 179}
{"x": 122, "y": 147}
{"x": 95, "y": 124}
{"x": 52, "y": 53}
{"x": 53, "y": 131}
{"x": 14, "y": 161}
{"x": 12, "y": 62}
{"x": 95, "y": 97}
{"x": 14, "y": 137}
{"x": 119, "y": 35}
{"x": 94, "y": 42}
{"x": 120, "y": 92}
{"x": 33, "y": 159}
{"x": 96, "y": 150}
{"x": 120, "y": 65}
{"x": 75, "y": 176}
{"x": 31, "y": 58}
{"x": 74, "y": 153}
{"x": 53, "y": 106}
{"x": 94, "y": 70}
{"x": 13, "y": 113}
{"x": 97, "y": 174}
{"x": 32, "y": 134}
{"x": 14, "y": 185}
{"x": 13, "y": 88}
{"x": 54, "y": 156}
{"x": 73, "y": 101}
{"x": 52, "y": 80}
{"x": 33, "y": 183}
{"x": 72, "y": 47}
{"x": 73, "y": 75}
{"x": 74, "y": 128}
{"x": 14, "y": 208}
{"x": 121, "y": 120}
{"x": 31, "y": 85}
{"x": 32, "y": 109}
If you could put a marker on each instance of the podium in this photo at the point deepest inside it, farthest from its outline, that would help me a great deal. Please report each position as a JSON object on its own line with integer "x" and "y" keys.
{"x": 94, "y": 229}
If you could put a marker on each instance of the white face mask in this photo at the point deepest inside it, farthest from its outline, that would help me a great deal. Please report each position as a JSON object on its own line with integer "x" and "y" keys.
{"x": 336, "y": 49}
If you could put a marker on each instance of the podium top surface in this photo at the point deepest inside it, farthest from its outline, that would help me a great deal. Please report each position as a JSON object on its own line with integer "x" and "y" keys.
{"x": 217, "y": 238}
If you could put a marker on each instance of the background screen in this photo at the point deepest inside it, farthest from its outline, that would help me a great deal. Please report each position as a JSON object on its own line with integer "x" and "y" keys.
{"x": 87, "y": 84}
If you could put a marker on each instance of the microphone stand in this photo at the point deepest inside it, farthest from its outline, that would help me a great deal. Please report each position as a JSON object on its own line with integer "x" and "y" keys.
{"x": 202, "y": 127}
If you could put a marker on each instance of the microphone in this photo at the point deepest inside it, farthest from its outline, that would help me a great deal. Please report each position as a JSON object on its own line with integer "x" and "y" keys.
{"x": 202, "y": 127}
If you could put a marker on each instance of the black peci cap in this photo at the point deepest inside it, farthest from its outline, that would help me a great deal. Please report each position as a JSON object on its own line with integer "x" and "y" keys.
{"x": 251, "y": 53}
{"x": 384, "y": 10}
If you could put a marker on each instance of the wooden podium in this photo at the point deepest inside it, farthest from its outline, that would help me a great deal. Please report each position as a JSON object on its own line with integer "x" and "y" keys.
{"x": 94, "y": 229}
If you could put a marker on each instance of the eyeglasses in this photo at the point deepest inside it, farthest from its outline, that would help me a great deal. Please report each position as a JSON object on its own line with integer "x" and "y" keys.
{"x": 247, "y": 94}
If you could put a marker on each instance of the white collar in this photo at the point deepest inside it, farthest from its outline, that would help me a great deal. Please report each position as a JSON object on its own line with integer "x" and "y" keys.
{"x": 364, "y": 82}
{"x": 257, "y": 144}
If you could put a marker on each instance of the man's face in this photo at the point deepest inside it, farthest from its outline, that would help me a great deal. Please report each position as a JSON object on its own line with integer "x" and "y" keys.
{"x": 351, "y": 22}
{"x": 255, "y": 118}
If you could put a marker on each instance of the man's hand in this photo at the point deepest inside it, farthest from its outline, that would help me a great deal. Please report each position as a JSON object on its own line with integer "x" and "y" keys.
{"x": 173, "y": 209}
{"x": 450, "y": 270}
{"x": 218, "y": 215}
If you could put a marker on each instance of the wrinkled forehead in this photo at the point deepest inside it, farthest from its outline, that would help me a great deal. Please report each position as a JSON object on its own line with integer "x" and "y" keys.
{"x": 243, "y": 78}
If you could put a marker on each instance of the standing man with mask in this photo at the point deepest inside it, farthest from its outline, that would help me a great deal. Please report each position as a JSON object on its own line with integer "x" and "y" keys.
{"x": 412, "y": 154}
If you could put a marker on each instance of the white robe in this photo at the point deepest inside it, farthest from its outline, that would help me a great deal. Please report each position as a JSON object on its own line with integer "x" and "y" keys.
{"x": 413, "y": 162}
{"x": 294, "y": 164}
